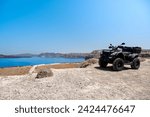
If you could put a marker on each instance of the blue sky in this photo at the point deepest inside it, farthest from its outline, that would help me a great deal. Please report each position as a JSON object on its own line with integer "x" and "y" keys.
{"x": 34, "y": 26}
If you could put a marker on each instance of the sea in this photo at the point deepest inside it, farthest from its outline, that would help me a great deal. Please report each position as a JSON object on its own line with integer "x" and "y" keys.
{"x": 15, "y": 62}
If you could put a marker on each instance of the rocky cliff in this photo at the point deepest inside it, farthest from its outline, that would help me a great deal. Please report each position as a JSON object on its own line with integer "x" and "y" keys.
{"x": 96, "y": 54}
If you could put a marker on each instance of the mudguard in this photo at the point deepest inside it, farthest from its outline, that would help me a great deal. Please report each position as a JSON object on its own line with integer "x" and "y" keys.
{"x": 118, "y": 55}
{"x": 132, "y": 56}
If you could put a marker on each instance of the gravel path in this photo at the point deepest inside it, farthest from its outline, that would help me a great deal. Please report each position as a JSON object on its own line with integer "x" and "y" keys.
{"x": 80, "y": 83}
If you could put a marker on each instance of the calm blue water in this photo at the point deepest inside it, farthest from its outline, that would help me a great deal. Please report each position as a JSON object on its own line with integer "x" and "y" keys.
{"x": 12, "y": 62}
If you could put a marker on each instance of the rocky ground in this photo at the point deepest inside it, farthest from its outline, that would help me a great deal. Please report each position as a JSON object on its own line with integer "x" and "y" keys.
{"x": 80, "y": 83}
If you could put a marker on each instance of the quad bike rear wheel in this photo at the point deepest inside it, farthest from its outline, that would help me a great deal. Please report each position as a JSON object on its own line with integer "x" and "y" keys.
{"x": 135, "y": 63}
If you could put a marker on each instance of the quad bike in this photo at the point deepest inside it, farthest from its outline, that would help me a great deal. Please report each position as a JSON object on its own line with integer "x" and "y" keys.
{"x": 119, "y": 56}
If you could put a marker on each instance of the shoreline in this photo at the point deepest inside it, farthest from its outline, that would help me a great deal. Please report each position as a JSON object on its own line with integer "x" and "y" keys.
{"x": 23, "y": 70}
{"x": 23, "y": 62}
{"x": 39, "y": 64}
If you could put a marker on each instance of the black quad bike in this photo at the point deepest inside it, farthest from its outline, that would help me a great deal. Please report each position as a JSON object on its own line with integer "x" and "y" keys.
{"x": 119, "y": 56}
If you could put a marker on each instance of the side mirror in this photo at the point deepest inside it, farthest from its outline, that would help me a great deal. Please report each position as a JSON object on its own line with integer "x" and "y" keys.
{"x": 123, "y": 44}
{"x": 110, "y": 46}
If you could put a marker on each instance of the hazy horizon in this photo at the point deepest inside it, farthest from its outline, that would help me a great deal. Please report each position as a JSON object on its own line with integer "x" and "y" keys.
{"x": 72, "y": 26}
{"x": 52, "y": 52}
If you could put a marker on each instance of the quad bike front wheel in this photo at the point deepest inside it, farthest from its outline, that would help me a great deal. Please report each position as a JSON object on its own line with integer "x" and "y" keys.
{"x": 135, "y": 63}
{"x": 118, "y": 64}
{"x": 102, "y": 63}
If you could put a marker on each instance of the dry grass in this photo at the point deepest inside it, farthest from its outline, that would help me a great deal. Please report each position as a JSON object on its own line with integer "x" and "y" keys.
{"x": 25, "y": 70}
{"x": 14, "y": 71}
{"x": 59, "y": 66}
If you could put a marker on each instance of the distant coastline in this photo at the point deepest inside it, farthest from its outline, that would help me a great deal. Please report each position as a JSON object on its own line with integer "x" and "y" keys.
{"x": 19, "y": 62}
{"x": 47, "y": 55}
{"x": 93, "y": 54}
{"x": 15, "y": 56}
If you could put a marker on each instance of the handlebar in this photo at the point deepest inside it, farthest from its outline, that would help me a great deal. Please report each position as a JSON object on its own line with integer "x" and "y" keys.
{"x": 116, "y": 47}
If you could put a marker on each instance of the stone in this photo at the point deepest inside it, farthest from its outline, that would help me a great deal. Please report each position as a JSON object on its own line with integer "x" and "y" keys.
{"x": 44, "y": 73}
{"x": 88, "y": 62}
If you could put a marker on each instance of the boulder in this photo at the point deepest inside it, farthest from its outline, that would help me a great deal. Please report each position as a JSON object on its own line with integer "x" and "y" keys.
{"x": 44, "y": 73}
{"x": 88, "y": 62}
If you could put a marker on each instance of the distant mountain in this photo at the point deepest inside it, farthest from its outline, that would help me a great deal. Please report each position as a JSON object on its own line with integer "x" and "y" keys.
{"x": 26, "y": 55}
{"x": 1, "y": 55}
{"x": 93, "y": 54}
{"x": 17, "y": 56}
{"x": 67, "y": 55}
{"x": 145, "y": 53}
{"x": 47, "y": 55}
{"x": 9, "y": 56}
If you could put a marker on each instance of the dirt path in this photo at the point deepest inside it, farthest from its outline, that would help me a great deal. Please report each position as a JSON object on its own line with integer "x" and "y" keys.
{"x": 77, "y": 83}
